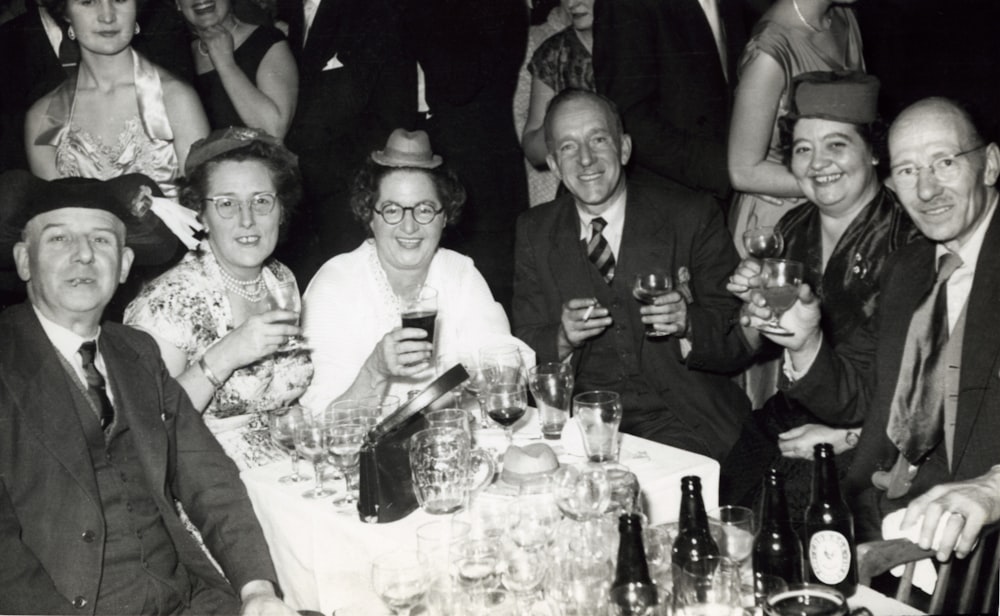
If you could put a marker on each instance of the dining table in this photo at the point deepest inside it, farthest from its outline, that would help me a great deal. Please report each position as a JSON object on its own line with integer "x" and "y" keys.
{"x": 323, "y": 553}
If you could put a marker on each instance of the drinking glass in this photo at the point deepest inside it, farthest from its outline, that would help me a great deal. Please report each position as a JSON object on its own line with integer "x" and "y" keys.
{"x": 419, "y": 308}
{"x": 475, "y": 564}
{"x": 446, "y": 470}
{"x": 284, "y": 295}
{"x": 582, "y": 492}
{"x": 624, "y": 489}
{"x": 649, "y": 285}
{"x": 780, "y": 281}
{"x": 345, "y": 448}
{"x": 599, "y": 414}
{"x": 364, "y": 411}
{"x": 709, "y": 585}
{"x": 449, "y": 418}
{"x": 737, "y": 528}
{"x": 475, "y": 385}
{"x": 532, "y": 516}
{"x": 551, "y": 385}
{"x": 400, "y": 579}
{"x": 763, "y": 242}
{"x": 806, "y": 600}
{"x": 502, "y": 363}
{"x": 312, "y": 440}
{"x": 506, "y": 403}
{"x": 523, "y": 570}
{"x": 282, "y": 424}
{"x": 436, "y": 541}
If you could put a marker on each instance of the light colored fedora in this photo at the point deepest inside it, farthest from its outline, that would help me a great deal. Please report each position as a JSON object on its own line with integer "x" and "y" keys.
{"x": 406, "y": 149}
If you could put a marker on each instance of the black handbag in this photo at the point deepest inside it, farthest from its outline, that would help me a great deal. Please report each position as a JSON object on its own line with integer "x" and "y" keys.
{"x": 385, "y": 483}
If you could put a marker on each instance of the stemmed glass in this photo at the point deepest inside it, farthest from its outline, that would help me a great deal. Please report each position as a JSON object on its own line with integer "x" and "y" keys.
{"x": 506, "y": 403}
{"x": 649, "y": 285}
{"x": 523, "y": 572}
{"x": 284, "y": 295}
{"x": 780, "y": 280}
{"x": 735, "y": 537}
{"x": 282, "y": 424}
{"x": 582, "y": 492}
{"x": 401, "y": 580}
{"x": 501, "y": 363}
{"x": 476, "y": 565}
{"x": 532, "y": 517}
{"x": 763, "y": 242}
{"x": 345, "y": 448}
{"x": 312, "y": 440}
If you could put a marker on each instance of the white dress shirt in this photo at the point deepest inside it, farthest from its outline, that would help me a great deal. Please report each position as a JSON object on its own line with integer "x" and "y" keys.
{"x": 68, "y": 344}
{"x": 614, "y": 216}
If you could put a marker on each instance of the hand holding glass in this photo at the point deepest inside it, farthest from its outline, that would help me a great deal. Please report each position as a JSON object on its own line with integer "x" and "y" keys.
{"x": 780, "y": 282}
{"x": 646, "y": 287}
{"x": 763, "y": 242}
{"x": 284, "y": 295}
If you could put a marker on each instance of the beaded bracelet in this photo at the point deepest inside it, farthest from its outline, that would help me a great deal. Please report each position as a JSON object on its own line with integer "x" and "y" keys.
{"x": 214, "y": 380}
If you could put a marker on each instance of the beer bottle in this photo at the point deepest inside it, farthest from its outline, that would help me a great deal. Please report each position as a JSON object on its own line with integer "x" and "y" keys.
{"x": 830, "y": 547}
{"x": 632, "y": 592}
{"x": 777, "y": 550}
{"x": 694, "y": 540}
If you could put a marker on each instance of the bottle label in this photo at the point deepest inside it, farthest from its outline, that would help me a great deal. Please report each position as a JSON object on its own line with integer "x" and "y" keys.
{"x": 829, "y": 556}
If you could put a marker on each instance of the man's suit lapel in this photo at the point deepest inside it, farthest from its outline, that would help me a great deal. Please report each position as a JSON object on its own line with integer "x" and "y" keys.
{"x": 568, "y": 261}
{"x": 981, "y": 345}
{"x": 45, "y": 400}
{"x": 136, "y": 406}
{"x": 323, "y": 40}
{"x": 643, "y": 242}
{"x": 699, "y": 33}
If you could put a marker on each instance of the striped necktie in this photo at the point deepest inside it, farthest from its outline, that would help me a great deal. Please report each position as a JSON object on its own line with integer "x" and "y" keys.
{"x": 599, "y": 251}
{"x": 96, "y": 386}
{"x": 916, "y": 413}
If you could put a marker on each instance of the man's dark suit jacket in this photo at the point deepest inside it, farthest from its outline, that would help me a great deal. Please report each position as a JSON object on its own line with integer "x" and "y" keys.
{"x": 29, "y": 69}
{"x": 857, "y": 380}
{"x": 666, "y": 228}
{"x": 658, "y": 61}
{"x": 48, "y": 491}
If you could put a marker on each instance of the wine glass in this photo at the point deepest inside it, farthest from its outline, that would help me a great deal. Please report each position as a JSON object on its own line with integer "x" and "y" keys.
{"x": 532, "y": 516}
{"x": 475, "y": 385}
{"x": 282, "y": 424}
{"x": 312, "y": 442}
{"x": 475, "y": 564}
{"x": 709, "y": 585}
{"x": 501, "y": 363}
{"x": 345, "y": 448}
{"x": 400, "y": 579}
{"x": 582, "y": 492}
{"x": 284, "y": 295}
{"x": 780, "y": 280}
{"x": 506, "y": 403}
{"x": 649, "y": 285}
{"x": 523, "y": 571}
{"x": 763, "y": 242}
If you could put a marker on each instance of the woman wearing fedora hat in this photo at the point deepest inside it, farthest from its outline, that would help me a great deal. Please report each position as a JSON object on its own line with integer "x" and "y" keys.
{"x": 405, "y": 197}
{"x": 843, "y": 234}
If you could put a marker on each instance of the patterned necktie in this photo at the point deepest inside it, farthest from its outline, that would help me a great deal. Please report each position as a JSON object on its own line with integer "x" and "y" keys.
{"x": 916, "y": 414}
{"x": 599, "y": 252}
{"x": 96, "y": 387}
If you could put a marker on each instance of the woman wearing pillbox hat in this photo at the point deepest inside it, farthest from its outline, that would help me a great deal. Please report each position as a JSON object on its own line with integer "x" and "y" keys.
{"x": 849, "y": 225}
{"x": 217, "y": 316}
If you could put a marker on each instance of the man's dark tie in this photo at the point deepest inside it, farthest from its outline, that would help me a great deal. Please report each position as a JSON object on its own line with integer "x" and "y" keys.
{"x": 96, "y": 387}
{"x": 599, "y": 252}
{"x": 69, "y": 51}
{"x": 916, "y": 416}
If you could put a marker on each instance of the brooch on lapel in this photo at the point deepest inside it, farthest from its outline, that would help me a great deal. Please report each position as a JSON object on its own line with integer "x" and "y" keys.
{"x": 860, "y": 268}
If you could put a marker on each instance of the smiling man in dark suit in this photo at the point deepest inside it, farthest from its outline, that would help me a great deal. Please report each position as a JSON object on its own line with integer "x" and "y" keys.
{"x": 576, "y": 258}
{"x": 924, "y": 373}
{"x": 97, "y": 441}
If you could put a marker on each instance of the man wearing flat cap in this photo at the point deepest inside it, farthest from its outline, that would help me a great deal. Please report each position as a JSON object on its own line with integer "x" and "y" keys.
{"x": 576, "y": 259}
{"x": 924, "y": 371}
{"x": 97, "y": 442}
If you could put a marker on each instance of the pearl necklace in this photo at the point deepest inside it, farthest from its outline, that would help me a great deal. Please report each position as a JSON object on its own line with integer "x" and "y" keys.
{"x": 802, "y": 17}
{"x": 251, "y": 290}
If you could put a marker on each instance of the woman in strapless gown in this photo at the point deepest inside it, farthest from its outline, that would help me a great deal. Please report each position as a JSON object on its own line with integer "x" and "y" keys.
{"x": 120, "y": 113}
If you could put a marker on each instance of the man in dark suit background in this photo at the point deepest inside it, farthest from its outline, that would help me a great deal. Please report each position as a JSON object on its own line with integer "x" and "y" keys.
{"x": 671, "y": 67}
{"x": 97, "y": 441}
{"x": 356, "y": 85}
{"x": 929, "y": 438}
{"x": 674, "y": 389}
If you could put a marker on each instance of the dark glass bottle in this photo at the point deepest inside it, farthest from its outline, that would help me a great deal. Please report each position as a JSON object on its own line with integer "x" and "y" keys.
{"x": 777, "y": 550}
{"x": 632, "y": 592}
{"x": 694, "y": 540}
{"x": 830, "y": 547}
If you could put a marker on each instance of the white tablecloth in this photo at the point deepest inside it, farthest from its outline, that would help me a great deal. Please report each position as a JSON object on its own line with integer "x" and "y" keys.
{"x": 324, "y": 557}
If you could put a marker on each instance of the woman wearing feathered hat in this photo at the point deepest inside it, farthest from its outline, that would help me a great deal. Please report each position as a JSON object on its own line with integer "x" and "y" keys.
{"x": 405, "y": 196}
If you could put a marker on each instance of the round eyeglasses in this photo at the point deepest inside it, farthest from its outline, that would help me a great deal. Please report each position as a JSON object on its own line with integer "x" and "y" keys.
{"x": 423, "y": 213}
{"x": 944, "y": 169}
{"x": 260, "y": 204}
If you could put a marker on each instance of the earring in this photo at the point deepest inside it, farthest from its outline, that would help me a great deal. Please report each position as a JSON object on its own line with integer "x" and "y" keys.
{"x": 137, "y": 28}
{"x": 70, "y": 33}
